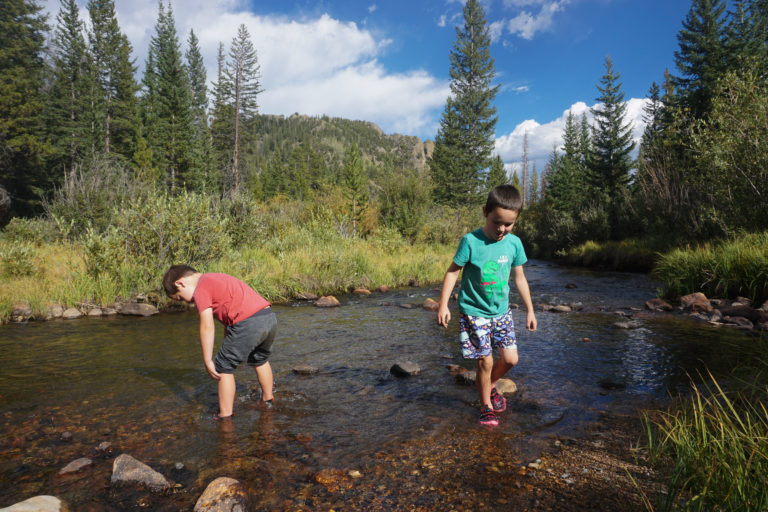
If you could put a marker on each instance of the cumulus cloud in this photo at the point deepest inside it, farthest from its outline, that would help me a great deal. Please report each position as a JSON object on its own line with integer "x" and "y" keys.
{"x": 543, "y": 138}
{"x": 527, "y": 24}
{"x": 315, "y": 66}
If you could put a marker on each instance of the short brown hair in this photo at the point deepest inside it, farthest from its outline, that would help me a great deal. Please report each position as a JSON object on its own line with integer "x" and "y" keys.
{"x": 173, "y": 274}
{"x": 504, "y": 196}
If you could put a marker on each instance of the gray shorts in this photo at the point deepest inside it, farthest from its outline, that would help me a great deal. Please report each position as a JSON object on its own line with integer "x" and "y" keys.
{"x": 248, "y": 340}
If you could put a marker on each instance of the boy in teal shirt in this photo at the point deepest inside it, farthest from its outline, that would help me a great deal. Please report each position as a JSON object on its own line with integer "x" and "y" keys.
{"x": 488, "y": 255}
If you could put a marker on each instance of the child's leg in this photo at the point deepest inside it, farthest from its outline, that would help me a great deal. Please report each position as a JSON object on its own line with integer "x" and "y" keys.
{"x": 506, "y": 361}
{"x": 226, "y": 394}
{"x": 483, "y": 380}
{"x": 266, "y": 381}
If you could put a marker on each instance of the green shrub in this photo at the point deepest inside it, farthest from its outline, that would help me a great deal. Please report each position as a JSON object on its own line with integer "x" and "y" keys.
{"x": 18, "y": 260}
{"x": 38, "y": 230}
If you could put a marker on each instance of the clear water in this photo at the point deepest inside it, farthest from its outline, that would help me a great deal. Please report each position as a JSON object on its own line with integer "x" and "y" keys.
{"x": 139, "y": 384}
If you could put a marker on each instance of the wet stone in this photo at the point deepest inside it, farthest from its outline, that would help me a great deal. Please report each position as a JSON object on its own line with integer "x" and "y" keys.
{"x": 66, "y": 436}
{"x": 405, "y": 369}
{"x": 658, "y": 305}
{"x": 328, "y": 301}
{"x": 104, "y": 446}
{"x": 465, "y": 378}
{"x": 305, "y": 369}
{"x": 383, "y": 289}
{"x": 430, "y": 305}
{"x": 76, "y": 465}
{"x": 138, "y": 309}
{"x": 95, "y": 312}
{"x": 561, "y": 308}
{"x": 41, "y": 503}
{"x": 361, "y": 291}
{"x": 506, "y": 386}
{"x": 306, "y": 296}
{"x": 224, "y": 495}
{"x": 127, "y": 470}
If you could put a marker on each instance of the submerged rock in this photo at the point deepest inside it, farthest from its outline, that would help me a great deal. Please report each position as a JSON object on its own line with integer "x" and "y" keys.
{"x": 224, "y": 495}
{"x": 465, "y": 378}
{"x": 430, "y": 305}
{"x": 76, "y": 465}
{"x": 41, "y": 503}
{"x": 305, "y": 369}
{"x": 405, "y": 369}
{"x": 127, "y": 470}
{"x": 506, "y": 386}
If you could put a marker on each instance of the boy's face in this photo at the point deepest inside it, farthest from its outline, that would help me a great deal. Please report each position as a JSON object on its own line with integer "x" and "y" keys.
{"x": 498, "y": 223}
{"x": 185, "y": 290}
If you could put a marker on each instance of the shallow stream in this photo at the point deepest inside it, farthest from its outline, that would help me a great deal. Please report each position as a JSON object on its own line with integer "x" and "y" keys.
{"x": 139, "y": 384}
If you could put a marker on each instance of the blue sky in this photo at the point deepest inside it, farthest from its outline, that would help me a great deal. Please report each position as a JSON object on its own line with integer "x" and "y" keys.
{"x": 387, "y": 61}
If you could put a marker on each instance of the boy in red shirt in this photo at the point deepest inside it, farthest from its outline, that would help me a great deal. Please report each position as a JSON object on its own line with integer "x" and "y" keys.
{"x": 250, "y": 328}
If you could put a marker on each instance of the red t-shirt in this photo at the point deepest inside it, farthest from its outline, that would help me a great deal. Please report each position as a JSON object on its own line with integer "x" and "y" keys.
{"x": 231, "y": 299}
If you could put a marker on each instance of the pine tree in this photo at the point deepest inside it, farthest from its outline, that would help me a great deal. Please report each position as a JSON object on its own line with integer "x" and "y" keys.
{"x": 653, "y": 115}
{"x": 497, "y": 175}
{"x": 533, "y": 188}
{"x": 222, "y": 122}
{"x": 113, "y": 96}
{"x": 610, "y": 162}
{"x": 201, "y": 153}
{"x": 67, "y": 118}
{"x": 565, "y": 184}
{"x": 22, "y": 145}
{"x": 170, "y": 102}
{"x": 701, "y": 57}
{"x": 244, "y": 75}
{"x": 465, "y": 139}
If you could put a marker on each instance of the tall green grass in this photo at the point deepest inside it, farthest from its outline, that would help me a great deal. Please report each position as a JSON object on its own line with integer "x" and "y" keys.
{"x": 629, "y": 254}
{"x": 716, "y": 445}
{"x": 738, "y": 266}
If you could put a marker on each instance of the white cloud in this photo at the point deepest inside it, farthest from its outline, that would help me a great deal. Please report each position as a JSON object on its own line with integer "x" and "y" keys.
{"x": 542, "y": 138}
{"x": 526, "y": 24}
{"x": 313, "y": 66}
{"x": 371, "y": 8}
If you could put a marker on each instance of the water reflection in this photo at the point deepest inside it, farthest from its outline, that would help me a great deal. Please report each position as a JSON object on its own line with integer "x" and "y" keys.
{"x": 140, "y": 385}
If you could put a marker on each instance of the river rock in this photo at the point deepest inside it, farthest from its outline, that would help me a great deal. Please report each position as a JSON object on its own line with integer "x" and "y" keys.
{"x": 328, "y": 301}
{"x": 306, "y": 296}
{"x": 430, "y": 305}
{"x": 696, "y": 302}
{"x": 95, "y": 312}
{"x": 127, "y": 470}
{"x": 754, "y": 315}
{"x": 21, "y": 312}
{"x": 742, "y": 301}
{"x": 333, "y": 479}
{"x": 658, "y": 305}
{"x": 305, "y": 369}
{"x": 506, "y": 386}
{"x": 571, "y": 286}
{"x": 224, "y": 495}
{"x": 405, "y": 369}
{"x": 561, "y": 308}
{"x": 76, "y": 465}
{"x": 466, "y": 378}
{"x": 55, "y": 311}
{"x": 383, "y": 288}
{"x": 738, "y": 321}
{"x": 138, "y": 309}
{"x": 361, "y": 291}
{"x": 41, "y": 503}
{"x": 625, "y": 325}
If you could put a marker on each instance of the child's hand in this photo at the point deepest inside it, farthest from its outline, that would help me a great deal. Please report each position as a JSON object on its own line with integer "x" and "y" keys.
{"x": 211, "y": 369}
{"x": 443, "y": 316}
{"x": 530, "y": 321}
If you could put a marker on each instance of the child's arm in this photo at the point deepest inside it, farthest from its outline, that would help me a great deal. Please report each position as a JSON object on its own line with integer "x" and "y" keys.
{"x": 449, "y": 281}
{"x": 525, "y": 293}
{"x": 207, "y": 334}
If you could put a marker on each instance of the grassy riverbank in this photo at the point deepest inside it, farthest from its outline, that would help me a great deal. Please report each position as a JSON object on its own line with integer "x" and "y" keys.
{"x": 57, "y": 273}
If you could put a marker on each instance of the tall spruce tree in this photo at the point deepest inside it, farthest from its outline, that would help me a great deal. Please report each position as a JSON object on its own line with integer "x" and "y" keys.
{"x": 113, "y": 93}
{"x": 701, "y": 58}
{"x": 465, "y": 139}
{"x": 356, "y": 185}
{"x": 170, "y": 103}
{"x": 498, "y": 174}
{"x": 243, "y": 74}
{"x": 610, "y": 162}
{"x": 67, "y": 118}
{"x": 565, "y": 180}
{"x": 533, "y": 188}
{"x": 22, "y": 146}
{"x": 222, "y": 125}
{"x": 201, "y": 153}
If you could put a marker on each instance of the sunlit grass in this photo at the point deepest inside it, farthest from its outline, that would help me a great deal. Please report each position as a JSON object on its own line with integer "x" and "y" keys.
{"x": 716, "y": 445}
{"x": 725, "y": 269}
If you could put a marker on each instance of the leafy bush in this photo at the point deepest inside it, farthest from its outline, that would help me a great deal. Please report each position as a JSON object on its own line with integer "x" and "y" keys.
{"x": 18, "y": 260}
{"x": 37, "y": 230}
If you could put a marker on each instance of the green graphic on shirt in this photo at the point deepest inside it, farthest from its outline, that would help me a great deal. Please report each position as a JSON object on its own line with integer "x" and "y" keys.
{"x": 492, "y": 280}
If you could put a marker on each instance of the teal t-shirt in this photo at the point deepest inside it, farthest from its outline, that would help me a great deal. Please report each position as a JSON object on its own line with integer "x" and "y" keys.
{"x": 487, "y": 264}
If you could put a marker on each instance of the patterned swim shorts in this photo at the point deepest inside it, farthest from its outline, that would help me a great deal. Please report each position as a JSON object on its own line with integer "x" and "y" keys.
{"x": 479, "y": 336}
